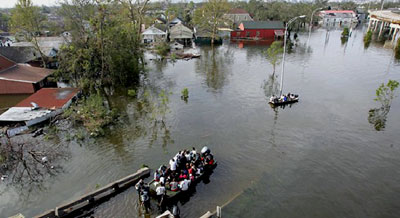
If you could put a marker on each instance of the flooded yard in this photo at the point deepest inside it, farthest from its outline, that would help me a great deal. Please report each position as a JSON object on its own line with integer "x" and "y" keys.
{"x": 320, "y": 157}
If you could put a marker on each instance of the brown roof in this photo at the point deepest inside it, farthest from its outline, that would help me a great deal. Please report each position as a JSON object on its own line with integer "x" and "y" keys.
{"x": 50, "y": 98}
{"x": 5, "y": 63}
{"x": 25, "y": 73}
{"x": 237, "y": 11}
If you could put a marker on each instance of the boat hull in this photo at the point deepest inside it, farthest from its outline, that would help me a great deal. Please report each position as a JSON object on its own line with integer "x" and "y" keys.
{"x": 284, "y": 102}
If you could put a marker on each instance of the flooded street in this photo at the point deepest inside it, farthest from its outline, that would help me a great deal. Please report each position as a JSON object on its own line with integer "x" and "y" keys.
{"x": 321, "y": 157}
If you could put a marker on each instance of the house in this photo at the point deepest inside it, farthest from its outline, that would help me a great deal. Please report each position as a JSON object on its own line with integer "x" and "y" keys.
{"x": 175, "y": 21}
{"x": 153, "y": 35}
{"x": 238, "y": 15}
{"x": 181, "y": 33}
{"x": 5, "y": 41}
{"x": 22, "y": 55}
{"x": 160, "y": 20}
{"x": 203, "y": 36}
{"x": 338, "y": 18}
{"x": 259, "y": 30}
{"x": 39, "y": 107}
{"x": 49, "y": 46}
{"x": 21, "y": 78}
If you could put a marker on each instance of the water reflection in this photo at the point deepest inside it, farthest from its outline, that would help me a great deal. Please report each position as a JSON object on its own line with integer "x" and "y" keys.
{"x": 215, "y": 63}
{"x": 377, "y": 117}
{"x": 26, "y": 163}
{"x": 271, "y": 86}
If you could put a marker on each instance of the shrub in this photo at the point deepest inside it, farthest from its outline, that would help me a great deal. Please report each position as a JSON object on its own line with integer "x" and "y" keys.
{"x": 132, "y": 92}
{"x": 92, "y": 113}
{"x": 185, "y": 93}
{"x": 162, "y": 49}
{"x": 367, "y": 38}
{"x": 345, "y": 32}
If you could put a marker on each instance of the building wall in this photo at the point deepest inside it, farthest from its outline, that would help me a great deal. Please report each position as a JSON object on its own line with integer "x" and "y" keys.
{"x": 338, "y": 22}
{"x": 153, "y": 38}
{"x": 255, "y": 33}
{"x": 13, "y": 87}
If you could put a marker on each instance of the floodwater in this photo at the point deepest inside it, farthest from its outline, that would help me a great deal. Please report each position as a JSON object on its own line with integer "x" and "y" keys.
{"x": 7, "y": 101}
{"x": 321, "y": 157}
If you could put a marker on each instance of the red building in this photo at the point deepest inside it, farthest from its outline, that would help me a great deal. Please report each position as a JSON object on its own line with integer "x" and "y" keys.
{"x": 21, "y": 78}
{"x": 259, "y": 30}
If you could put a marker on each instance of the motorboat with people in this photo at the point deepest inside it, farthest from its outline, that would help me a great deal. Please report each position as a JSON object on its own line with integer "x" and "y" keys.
{"x": 185, "y": 170}
{"x": 283, "y": 99}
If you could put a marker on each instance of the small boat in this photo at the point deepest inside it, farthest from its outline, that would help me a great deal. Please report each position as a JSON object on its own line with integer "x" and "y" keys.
{"x": 278, "y": 102}
{"x": 207, "y": 170}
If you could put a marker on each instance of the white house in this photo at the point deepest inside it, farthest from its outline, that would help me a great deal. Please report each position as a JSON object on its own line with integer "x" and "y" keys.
{"x": 153, "y": 35}
{"x": 5, "y": 42}
{"x": 342, "y": 18}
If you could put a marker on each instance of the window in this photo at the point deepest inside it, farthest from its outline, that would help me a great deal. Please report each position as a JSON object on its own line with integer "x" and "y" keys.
{"x": 258, "y": 33}
{"x": 237, "y": 34}
{"x": 247, "y": 34}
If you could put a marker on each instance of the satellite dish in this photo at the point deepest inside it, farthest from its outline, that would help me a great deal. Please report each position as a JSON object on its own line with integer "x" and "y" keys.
{"x": 35, "y": 106}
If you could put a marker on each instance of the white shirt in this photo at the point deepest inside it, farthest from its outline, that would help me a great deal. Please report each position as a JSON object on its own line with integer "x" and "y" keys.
{"x": 187, "y": 157}
{"x": 162, "y": 180}
{"x": 160, "y": 190}
{"x": 184, "y": 185}
{"x": 172, "y": 165}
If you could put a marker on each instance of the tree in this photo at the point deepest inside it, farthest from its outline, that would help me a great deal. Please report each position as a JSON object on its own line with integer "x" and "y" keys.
{"x": 105, "y": 46}
{"x": 274, "y": 54}
{"x": 367, "y": 38}
{"x": 211, "y": 16}
{"x": 4, "y": 20}
{"x": 384, "y": 94}
{"x": 27, "y": 20}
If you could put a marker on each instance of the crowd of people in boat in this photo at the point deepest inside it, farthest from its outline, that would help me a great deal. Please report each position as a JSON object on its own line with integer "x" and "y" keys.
{"x": 184, "y": 168}
{"x": 283, "y": 98}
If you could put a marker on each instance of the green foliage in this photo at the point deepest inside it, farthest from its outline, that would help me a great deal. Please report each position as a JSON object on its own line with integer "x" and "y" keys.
{"x": 4, "y": 22}
{"x": 386, "y": 92}
{"x": 367, "y": 38}
{"x": 274, "y": 54}
{"x": 80, "y": 136}
{"x": 210, "y": 16}
{"x": 28, "y": 21}
{"x": 345, "y": 32}
{"x": 397, "y": 50}
{"x": 173, "y": 57}
{"x": 105, "y": 48}
{"x": 162, "y": 49}
{"x": 378, "y": 117}
{"x": 93, "y": 114}
{"x": 131, "y": 92}
{"x": 185, "y": 93}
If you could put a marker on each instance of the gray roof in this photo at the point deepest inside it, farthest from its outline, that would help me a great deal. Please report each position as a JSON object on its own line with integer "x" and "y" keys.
{"x": 20, "y": 54}
{"x": 263, "y": 25}
{"x": 179, "y": 31}
{"x": 153, "y": 31}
